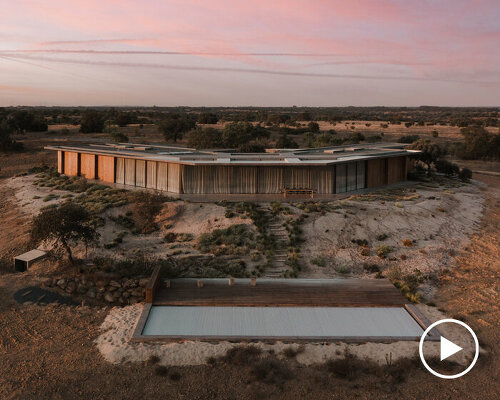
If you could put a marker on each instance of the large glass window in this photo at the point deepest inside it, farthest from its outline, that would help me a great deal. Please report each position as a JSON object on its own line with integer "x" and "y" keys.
{"x": 340, "y": 178}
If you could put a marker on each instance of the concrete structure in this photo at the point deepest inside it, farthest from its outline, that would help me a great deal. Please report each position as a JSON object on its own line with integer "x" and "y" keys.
{"x": 180, "y": 170}
{"x": 26, "y": 260}
{"x": 357, "y": 310}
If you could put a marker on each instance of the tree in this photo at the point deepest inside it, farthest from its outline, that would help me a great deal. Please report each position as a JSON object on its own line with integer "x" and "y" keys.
{"x": 313, "y": 126}
{"x": 66, "y": 225}
{"x": 479, "y": 144}
{"x": 204, "y": 138}
{"x": 6, "y": 142}
{"x": 173, "y": 126}
{"x": 92, "y": 121}
{"x": 207, "y": 118}
{"x": 22, "y": 121}
{"x": 429, "y": 152}
{"x": 237, "y": 133}
{"x": 284, "y": 142}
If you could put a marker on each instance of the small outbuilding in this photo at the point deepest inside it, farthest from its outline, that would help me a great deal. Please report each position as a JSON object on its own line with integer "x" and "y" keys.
{"x": 24, "y": 261}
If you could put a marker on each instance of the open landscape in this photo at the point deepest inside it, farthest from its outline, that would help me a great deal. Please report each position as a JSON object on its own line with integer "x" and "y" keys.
{"x": 249, "y": 200}
{"x": 430, "y": 236}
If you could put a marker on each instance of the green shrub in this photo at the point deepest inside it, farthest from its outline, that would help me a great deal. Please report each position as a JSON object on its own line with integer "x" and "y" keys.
{"x": 319, "y": 261}
{"x": 383, "y": 251}
{"x": 465, "y": 174}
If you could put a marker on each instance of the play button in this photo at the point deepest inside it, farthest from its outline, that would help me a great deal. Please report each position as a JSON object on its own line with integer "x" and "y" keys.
{"x": 461, "y": 333}
{"x": 448, "y": 348}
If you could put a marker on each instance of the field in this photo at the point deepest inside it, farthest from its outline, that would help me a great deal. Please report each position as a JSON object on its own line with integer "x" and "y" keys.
{"x": 446, "y": 230}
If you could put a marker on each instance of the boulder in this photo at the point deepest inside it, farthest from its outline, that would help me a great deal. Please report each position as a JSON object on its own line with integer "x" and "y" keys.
{"x": 109, "y": 297}
{"x": 70, "y": 287}
{"x": 81, "y": 288}
{"x": 61, "y": 283}
{"x": 143, "y": 282}
{"x": 91, "y": 293}
{"x": 139, "y": 292}
{"x": 115, "y": 284}
{"x": 111, "y": 288}
{"x": 125, "y": 295}
{"x": 101, "y": 289}
{"x": 46, "y": 282}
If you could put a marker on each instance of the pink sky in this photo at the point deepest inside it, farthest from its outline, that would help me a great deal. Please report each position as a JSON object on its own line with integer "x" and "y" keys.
{"x": 261, "y": 53}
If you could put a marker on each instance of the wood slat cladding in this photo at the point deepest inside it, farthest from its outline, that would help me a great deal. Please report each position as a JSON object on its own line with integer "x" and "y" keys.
{"x": 376, "y": 173}
{"x": 140, "y": 173}
{"x": 87, "y": 166}
{"x": 71, "y": 163}
{"x": 106, "y": 168}
{"x": 162, "y": 176}
{"x": 174, "y": 178}
{"x": 60, "y": 162}
{"x": 396, "y": 169}
{"x": 130, "y": 171}
{"x": 120, "y": 170}
{"x": 151, "y": 174}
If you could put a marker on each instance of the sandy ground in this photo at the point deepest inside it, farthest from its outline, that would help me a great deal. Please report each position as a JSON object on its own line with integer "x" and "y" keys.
{"x": 178, "y": 217}
{"x": 117, "y": 329}
{"x": 436, "y": 235}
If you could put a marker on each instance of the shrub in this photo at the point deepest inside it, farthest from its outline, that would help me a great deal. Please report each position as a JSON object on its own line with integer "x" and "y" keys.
{"x": 382, "y": 237}
{"x": 365, "y": 252}
{"x": 161, "y": 370}
{"x": 465, "y": 174}
{"x": 350, "y": 367}
{"x": 319, "y": 261}
{"x": 383, "y": 251}
{"x": 360, "y": 242}
{"x": 242, "y": 355}
{"x": 435, "y": 134}
{"x": 271, "y": 371}
{"x": 342, "y": 270}
{"x": 446, "y": 167}
{"x": 408, "y": 139}
{"x": 407, "y": 243}
{"x": 291, "y": 352}
{"x": 372, "y": 268}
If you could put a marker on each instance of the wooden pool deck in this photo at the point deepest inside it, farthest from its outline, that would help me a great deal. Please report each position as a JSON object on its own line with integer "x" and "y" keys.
{"x": 280, "y": 293}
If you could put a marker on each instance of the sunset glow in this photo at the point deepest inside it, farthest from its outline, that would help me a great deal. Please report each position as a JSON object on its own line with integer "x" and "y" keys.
{"x": 191, "y": 52}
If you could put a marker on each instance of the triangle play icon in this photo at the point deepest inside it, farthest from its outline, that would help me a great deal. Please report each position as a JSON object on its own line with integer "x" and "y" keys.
{"x": 448, "y": 348}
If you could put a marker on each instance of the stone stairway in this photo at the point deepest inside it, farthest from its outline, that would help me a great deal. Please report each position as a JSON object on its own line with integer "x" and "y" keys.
{"x": 278, "y": 266}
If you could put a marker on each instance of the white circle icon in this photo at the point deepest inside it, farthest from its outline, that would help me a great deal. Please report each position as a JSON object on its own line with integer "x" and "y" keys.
{"x": 448, "y": 348}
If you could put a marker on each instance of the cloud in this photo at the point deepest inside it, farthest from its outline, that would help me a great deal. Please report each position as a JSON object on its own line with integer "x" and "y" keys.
{"x": 249, "y": 71}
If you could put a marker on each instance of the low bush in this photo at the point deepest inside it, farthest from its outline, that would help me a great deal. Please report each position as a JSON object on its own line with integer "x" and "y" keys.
{"x": 319, "y": 261}
{"x": 242, "y": 355}
{"x": 407, "y": 242}
{"x": 291, "y": 352}
{"x": 383, "y": 251}
{"x": 271, "y": 371}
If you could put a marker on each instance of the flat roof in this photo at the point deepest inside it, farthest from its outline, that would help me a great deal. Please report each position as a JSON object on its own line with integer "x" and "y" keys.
{"x": 31, "y": 255}
{"x": 189, "y": 156}
{"x": 281, "y": 323}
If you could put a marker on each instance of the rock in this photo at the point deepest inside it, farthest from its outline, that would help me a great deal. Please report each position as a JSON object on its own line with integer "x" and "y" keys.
{"x": 133, "y": 300}
{"x": 91, "y": 293}
{"x": 81, "y": 288}
{"x": 129, "y": 284}
{"x": 125, "y": 295}
{"x": 109, "y": 297}
{"x": 100, "y": 283}
{"x": 70, "y": 287}
{"x": 46, "y": 282}
{"x": 115, "y": 284}
{"x": 112, "y": 288}
{"x": 61, "y": 283}
{"x": 117, "y": 295}
{"x": 139, "y": 292}
{"x": 99, "y": 296}
{"x": 143, "y": 282}
{"x": 101, "y": 290}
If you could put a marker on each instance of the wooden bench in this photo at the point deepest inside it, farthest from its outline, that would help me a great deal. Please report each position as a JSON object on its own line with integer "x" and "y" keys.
{"x": 297, "y": 192}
